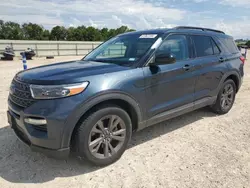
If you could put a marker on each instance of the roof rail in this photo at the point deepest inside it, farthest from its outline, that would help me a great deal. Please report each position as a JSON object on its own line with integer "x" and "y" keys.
{"x": 198, "y": 28}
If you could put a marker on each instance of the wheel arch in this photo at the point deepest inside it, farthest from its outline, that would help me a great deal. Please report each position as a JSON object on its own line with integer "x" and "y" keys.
{"x": 234, "y": 75}
{"x": 124, "y": 101}
{"x": 235, "y": 79}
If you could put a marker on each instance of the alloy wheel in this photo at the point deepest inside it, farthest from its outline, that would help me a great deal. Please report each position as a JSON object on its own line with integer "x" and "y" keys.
{"x": 107, "y": 136}
{"x": 227, "y": 97}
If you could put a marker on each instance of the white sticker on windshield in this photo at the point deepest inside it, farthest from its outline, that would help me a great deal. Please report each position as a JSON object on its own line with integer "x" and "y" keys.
{"x": 148, "y": 36}
{"x": 157, "y": 43}
{"x": 131, "y": 59}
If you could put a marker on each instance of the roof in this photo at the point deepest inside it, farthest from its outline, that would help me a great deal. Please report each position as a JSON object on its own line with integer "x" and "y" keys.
{"x": 181, "y": 29}
{"x": 150, "y": 31}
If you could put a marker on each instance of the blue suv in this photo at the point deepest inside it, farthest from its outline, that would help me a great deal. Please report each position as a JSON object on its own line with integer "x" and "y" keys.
{"x": 130, "y": 82}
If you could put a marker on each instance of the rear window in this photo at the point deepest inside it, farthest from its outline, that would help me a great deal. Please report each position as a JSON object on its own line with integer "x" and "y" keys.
{"x": 230, "y": 45}
{"x": 203, "y": 45}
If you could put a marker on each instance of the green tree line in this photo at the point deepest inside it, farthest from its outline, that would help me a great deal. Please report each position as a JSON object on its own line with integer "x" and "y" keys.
{"x": 248, "y": 43}
{"x": 30, "y": 31}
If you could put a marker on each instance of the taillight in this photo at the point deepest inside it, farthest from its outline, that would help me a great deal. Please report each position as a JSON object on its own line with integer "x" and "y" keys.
{"x": 242, "y": 59}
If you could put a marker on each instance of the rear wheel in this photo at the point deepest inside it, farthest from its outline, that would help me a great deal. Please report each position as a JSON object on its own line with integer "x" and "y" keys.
{"x": 225, "y": 98}
{"x": 104, "y": 135}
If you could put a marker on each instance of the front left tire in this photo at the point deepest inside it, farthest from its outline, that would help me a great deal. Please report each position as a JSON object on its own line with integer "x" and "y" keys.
{"x": 103, "y": 136}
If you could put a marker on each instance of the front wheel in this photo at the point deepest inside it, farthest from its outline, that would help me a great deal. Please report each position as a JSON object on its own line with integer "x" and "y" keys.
{"x": 104, "y": 135}
{"x": 225, "y": 98}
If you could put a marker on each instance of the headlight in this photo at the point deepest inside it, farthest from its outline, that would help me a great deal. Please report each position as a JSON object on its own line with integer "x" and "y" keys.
{"x": 56, "y": 91}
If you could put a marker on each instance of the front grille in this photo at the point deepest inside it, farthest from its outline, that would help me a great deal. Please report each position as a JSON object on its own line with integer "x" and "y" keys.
{"x": 20, "y": 94}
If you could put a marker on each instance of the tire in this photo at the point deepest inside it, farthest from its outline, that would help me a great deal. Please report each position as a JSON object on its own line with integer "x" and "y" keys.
{"x": 90, "y": 131}
{"x": 218, "y": 106}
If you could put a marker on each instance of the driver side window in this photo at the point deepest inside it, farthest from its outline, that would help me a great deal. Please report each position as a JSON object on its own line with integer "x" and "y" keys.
{"x": 176, "y": 46}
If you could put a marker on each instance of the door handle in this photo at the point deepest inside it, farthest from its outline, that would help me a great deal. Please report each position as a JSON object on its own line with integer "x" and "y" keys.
{"x": 222, "y": 59}
{"x": 186, "y": 67}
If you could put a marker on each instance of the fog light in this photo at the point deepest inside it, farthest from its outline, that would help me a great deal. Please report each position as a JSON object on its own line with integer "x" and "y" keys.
{"x": 34, "y": 121}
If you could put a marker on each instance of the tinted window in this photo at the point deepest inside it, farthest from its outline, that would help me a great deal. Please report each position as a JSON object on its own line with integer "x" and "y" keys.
{"x": 215, "y": 47}
{"x": 175, "y": 45}
{"x": 203, "y": 46}
{"x": 230, "y": 44}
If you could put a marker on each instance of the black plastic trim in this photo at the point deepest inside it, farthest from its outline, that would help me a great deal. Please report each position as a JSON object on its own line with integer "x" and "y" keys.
{"x": 178, "y": 111}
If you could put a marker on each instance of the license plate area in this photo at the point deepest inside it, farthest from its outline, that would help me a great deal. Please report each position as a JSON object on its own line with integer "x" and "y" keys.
{"x": 18, "y": 130}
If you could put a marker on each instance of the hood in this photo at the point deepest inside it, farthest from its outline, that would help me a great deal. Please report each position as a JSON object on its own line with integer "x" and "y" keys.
{"x": 67, "y": 72}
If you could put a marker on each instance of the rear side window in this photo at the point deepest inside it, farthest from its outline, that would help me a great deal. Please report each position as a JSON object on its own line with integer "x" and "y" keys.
{"x": 203, "y": 45}
{"x": 230, "y": 44}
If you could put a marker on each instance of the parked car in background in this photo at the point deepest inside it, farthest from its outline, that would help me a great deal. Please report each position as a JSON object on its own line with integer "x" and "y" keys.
{"x": 130, "y": 82}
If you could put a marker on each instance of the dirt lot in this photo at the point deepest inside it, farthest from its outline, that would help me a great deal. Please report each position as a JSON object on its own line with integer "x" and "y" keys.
{"x": 198, "y": 149}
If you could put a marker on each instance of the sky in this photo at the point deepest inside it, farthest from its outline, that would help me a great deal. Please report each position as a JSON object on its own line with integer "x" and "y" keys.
{"x": 231, "y": 16}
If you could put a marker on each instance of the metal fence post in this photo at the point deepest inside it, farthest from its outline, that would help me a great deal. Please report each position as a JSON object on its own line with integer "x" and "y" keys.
{"x": 58, "y": 49}
{"x": 36, "y": 50}
{"x": 76, "y": 50}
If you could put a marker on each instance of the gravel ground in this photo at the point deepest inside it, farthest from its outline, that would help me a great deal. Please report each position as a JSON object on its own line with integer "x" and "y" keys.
{"x": 198, "y": 149}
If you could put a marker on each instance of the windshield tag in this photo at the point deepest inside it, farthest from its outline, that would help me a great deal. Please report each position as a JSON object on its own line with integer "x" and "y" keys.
{"x": 157, "y": 43}
{"x": 148, "y": 36}
{"x": 131, "y": 59}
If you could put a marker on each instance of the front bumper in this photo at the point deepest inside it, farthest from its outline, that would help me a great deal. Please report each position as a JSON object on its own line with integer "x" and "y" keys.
{"x": 22, "y": 134}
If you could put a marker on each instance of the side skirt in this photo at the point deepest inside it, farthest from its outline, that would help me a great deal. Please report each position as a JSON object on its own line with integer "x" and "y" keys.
{"x": 177, "y": 112}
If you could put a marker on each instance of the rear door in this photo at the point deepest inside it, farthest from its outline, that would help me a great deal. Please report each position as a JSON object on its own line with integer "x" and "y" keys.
{"x": 209, "y": 66}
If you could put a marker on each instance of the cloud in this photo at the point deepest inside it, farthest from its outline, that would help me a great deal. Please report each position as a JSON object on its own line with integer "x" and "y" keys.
{"x": 136, "y": 14}
{"x": 46, "y": 21}
{"x": 106, "y": 12}
{"x": 241, "y": 30}
{"x": 235, "y": 3}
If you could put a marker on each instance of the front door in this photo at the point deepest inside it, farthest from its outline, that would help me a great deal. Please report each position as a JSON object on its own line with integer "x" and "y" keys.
{"x": 170, "y": 86}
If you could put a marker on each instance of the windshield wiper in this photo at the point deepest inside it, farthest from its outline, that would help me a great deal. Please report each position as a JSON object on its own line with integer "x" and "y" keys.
{"x": 100, "y": 60}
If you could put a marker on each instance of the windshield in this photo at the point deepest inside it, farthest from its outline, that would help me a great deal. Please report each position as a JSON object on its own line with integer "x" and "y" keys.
{"x": 123, "y": 50}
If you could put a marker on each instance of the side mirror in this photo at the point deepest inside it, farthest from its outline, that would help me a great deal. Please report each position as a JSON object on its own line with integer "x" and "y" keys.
{"x": 164, "y": 58}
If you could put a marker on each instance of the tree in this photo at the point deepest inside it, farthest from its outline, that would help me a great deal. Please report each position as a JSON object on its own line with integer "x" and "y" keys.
{"x": 76, "y": 34}
{"x": 112, "y": 33}
{"x": 71, "y": 34}
{"x": 33, "y": 31}
{"x": 122, "y": 29}
{"x": 248, "y": 44}
{"x": 46, "y": 35}
{"x": 1, "y": 29}
{"x": 93, "y": 34}
{"x": 10, "y": 30}
{"x": 58, "y": 33}
{"x": 105, "y": 33}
